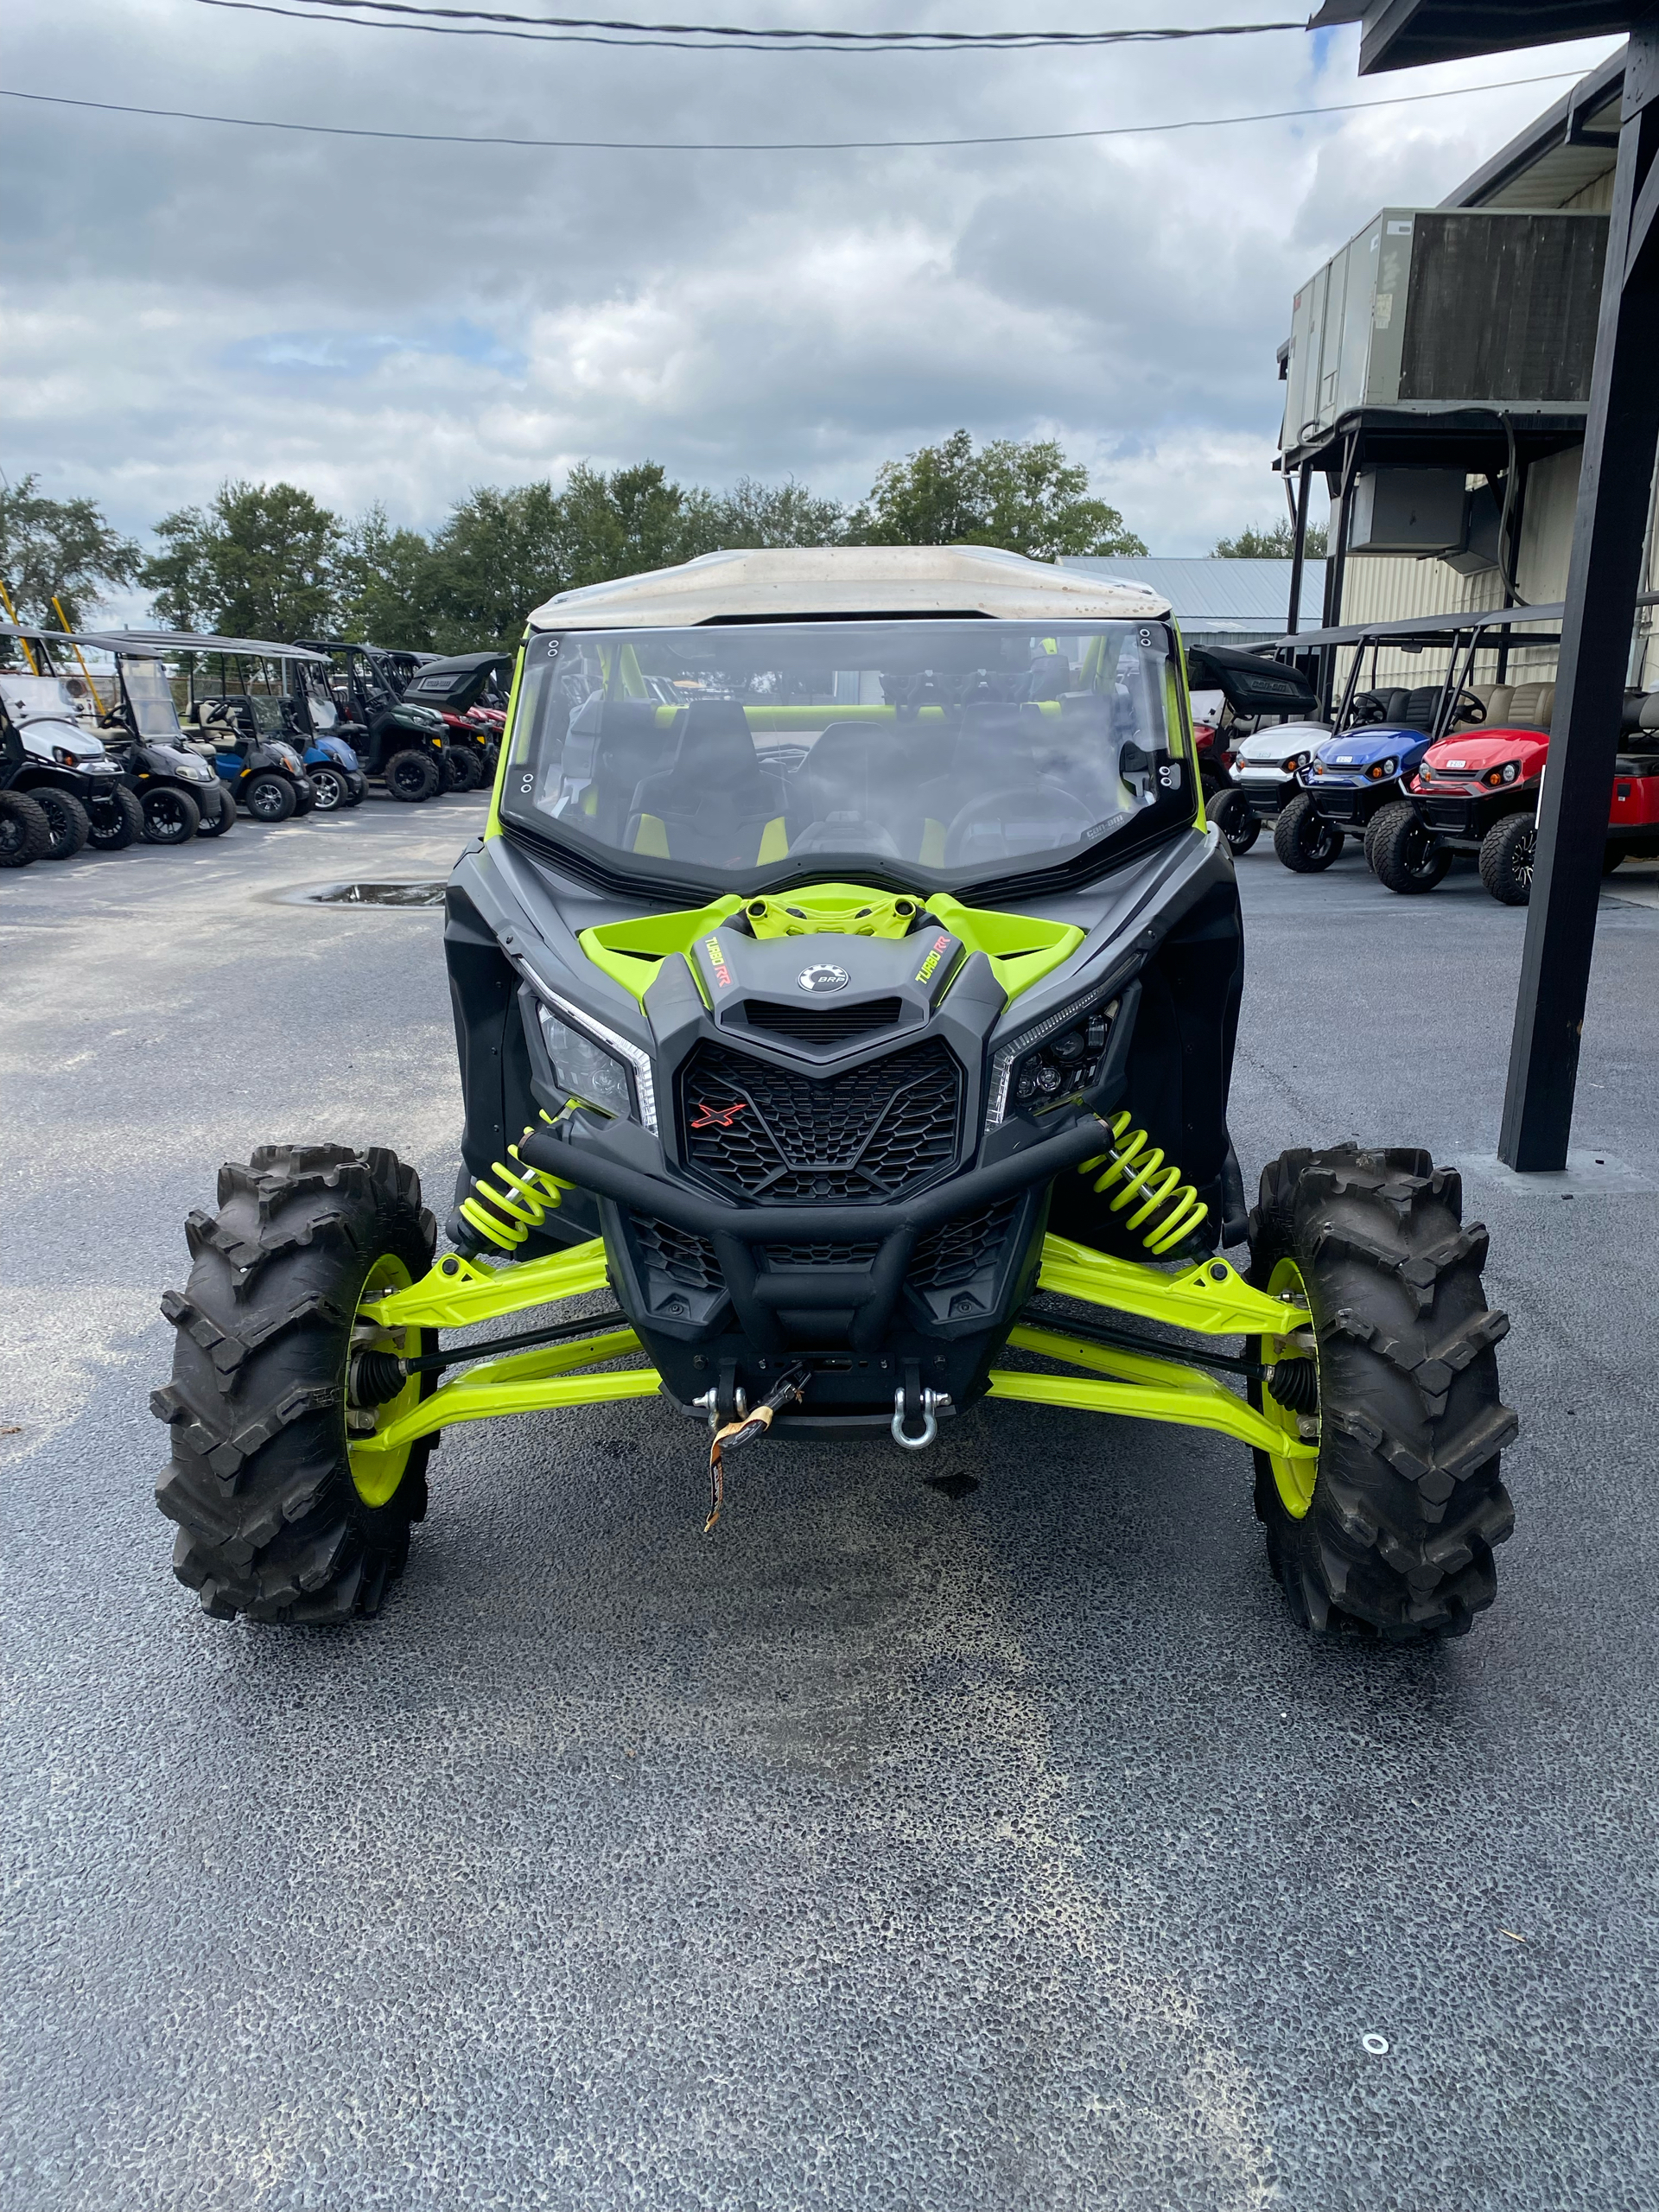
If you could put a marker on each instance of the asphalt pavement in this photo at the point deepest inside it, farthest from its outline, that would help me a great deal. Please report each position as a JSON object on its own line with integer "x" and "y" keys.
{"x": 994, "y": 1847}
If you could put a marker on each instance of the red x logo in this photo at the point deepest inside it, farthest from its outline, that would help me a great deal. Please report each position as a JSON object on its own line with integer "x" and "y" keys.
{"x": 716, "y": 1117}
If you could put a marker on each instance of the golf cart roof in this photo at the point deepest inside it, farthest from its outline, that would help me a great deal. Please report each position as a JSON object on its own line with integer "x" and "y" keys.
{"x": 153, "y": 644}
{"x": 855, "y": 582}
{"x": 1430, "y": 628}
{"x": 463, "y": 663}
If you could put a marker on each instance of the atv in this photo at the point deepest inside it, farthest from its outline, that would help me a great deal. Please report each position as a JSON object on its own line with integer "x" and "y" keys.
{"x": 857, "y": 1024}
{"x": 54, "y": 767}
{"x": 1365, "y": 765}
{"x": 465, "y": 690}
{"x": 401, "y": 744}
{"x": 1478, "y": 792}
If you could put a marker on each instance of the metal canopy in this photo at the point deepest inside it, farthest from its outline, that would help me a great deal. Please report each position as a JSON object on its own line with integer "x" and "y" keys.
{"x": 1420, "y": 434}
{"x": 1409, "y": 34}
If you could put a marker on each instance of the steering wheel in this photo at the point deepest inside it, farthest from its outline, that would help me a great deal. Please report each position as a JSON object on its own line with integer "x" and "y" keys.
{"x": 1470, "y": 708}
{"x": 1050, "y": 800}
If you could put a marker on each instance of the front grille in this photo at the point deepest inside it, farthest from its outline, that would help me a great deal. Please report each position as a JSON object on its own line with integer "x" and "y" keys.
{"x": 822, "y": 1025}
{"x": 1447, "y": 813}
{"x": 1341, "y": 806}
{"x": 786, "y": 1257}
{"x": 781, "y": 1135}
{"x": 683, "y": 1257}
{"x": 955, "y": 1251}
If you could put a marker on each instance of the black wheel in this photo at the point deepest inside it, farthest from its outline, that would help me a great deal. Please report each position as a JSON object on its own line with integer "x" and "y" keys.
{"x": 268, "y": 797}
{"x": 1506, "y": 853}
{"x": 66, "y": 819}
{"x": 1392, "y": 1524}
{"x": 305, "y": 796}
{"x": 25, "y": 833}
{"x": 411, "y": 776}
{"x": 329, "y": 785}
{"x": 1304, "y": 841}
{"x": 357, "y": 789}
{"x": 463, "y": 764}
{"x": 279, "y": 1516}
{"x": 491, "y": 761}
{"x": 1404, "y": 853}
{"x": 218, "y": 811}
{"x": 1235, "y": 818}
{"x": 171, "y": 817}
{"x": 113, "y": 824}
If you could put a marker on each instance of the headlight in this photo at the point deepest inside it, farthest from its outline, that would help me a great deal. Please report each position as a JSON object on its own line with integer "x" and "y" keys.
{"x": 64, "y": 759}
{"x": 1507, "y": 773}
{"x": 289, "y": 759}
{"x": 1380, "y": 771}
{"x": 612, "y": 1075}
{"x": 1296, "y": 761}
{"x": 1051, "y": 1063}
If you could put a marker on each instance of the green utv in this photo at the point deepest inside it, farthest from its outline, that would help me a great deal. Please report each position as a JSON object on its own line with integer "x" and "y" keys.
{"x": 845, "y": 985}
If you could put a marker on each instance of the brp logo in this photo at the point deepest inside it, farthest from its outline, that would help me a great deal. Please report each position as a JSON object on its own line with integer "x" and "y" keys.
{"x": 824, "y": 976}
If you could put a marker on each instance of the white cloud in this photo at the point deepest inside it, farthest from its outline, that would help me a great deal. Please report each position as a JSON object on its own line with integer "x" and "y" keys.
{"x": 186, "y": 303}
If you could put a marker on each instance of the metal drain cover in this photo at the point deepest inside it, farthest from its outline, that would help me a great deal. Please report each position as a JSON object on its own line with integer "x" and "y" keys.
{"x": 376, "y": 894}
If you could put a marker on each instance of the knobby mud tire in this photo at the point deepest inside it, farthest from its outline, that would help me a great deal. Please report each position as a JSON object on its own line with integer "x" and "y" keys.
{"x": 114, "y": 825}
{"x": 1303, "y": 840}
{"x": 25, "y": 833}
{"x": 1407, "y": 1503}
{"x": 271, "y": 1524}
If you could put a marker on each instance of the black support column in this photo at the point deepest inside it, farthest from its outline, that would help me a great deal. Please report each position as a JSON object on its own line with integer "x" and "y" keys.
{"x": 1603, "y": 582}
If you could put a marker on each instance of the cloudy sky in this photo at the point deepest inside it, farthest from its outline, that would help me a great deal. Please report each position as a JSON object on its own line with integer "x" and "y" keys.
{"x": 185, "y": 302}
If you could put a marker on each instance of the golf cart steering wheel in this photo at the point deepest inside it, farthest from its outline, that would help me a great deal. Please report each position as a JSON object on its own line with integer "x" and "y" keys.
{"x": 1049, "y": 801}
{"x": 1471, "y": 707}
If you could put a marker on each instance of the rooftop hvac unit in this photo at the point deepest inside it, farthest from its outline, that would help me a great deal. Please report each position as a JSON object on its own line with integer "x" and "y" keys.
{"x": 1431, "y": 308}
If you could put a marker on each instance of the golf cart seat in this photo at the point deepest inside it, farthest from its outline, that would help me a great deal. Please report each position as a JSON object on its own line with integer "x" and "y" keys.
{"x": 715, "y": 803}
{"x": 1519, "y": 706}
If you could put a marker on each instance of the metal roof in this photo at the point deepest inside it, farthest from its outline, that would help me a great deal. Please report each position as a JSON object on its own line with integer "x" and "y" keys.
{"x": 1428, "y": 627}
{"x": 859, "y": 583}
{"x": 153, "y": 644}
{"x": 1250, "y": 597}
{"x": 1407, "y": 33}
{"x": 1544, "y": 165}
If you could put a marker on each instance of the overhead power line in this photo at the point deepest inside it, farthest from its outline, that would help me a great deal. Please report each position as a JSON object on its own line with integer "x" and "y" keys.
{"x": 716, "y": 38}
{"x": 784, "y": 145}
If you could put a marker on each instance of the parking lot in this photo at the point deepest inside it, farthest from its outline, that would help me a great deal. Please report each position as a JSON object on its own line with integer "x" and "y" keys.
{"x": 990, "y": 1843}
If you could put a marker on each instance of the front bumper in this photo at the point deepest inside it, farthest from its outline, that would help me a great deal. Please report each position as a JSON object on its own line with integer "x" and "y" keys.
{"x": 1351, "y": 804}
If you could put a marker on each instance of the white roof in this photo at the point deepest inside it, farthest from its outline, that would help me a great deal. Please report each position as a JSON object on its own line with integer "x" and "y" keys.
{"x": 782, "y": 582}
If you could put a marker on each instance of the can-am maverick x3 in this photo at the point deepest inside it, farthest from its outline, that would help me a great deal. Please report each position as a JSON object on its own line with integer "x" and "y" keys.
{"x": 840, "y": 1011}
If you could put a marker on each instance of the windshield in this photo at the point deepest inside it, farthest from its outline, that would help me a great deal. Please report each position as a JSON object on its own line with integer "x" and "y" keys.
{"x": 313, "y": 686}
{"x": 947, "y": 749}
{"x": 151, "y": 700}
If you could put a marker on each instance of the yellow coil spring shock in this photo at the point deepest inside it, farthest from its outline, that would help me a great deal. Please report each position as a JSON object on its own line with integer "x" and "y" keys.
{"x": 1151, "y": 1185}
{"x": 520, "y": 1198}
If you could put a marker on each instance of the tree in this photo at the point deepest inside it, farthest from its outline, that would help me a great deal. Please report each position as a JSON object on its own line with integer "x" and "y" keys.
{"x": 1276, "y": 544}
{"x": 1026, "y": 498}
{"x": 753, "y": 514}
{"x": 62, "y": 549}
{"x": 258, "y": 563}
{"x": 500, "y": 553}
{"x": 617, "y": 525}
{"x": 388, "y": 583}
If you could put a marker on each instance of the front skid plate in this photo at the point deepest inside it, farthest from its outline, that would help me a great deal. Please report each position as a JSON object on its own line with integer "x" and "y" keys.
{"x": 1212, "y": 1299}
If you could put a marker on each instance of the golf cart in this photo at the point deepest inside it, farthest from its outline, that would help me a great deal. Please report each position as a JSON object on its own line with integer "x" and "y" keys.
{"x": 180, "y": 796}
{"x": 470, "y": 691}
{"x": 841, "y": 1030}
{"x": 314, "y": 725}
{"x": 51, "y": 756}
{"x": 1478, "y": 793}
{"x": 1250, "y": 686}
{"x": 402, "y": 745}
{"x": 1380, "y": 734}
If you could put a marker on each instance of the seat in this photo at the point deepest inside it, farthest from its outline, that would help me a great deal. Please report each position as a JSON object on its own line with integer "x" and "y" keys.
{"x": 714, "y": 803}
{"x": 1498, "y": 697}
{"x": 612, "y": 745}
{"x": 1418, "y": 712}
{"x": 1530, "y": 706}
{"x": 994, "y": 753}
